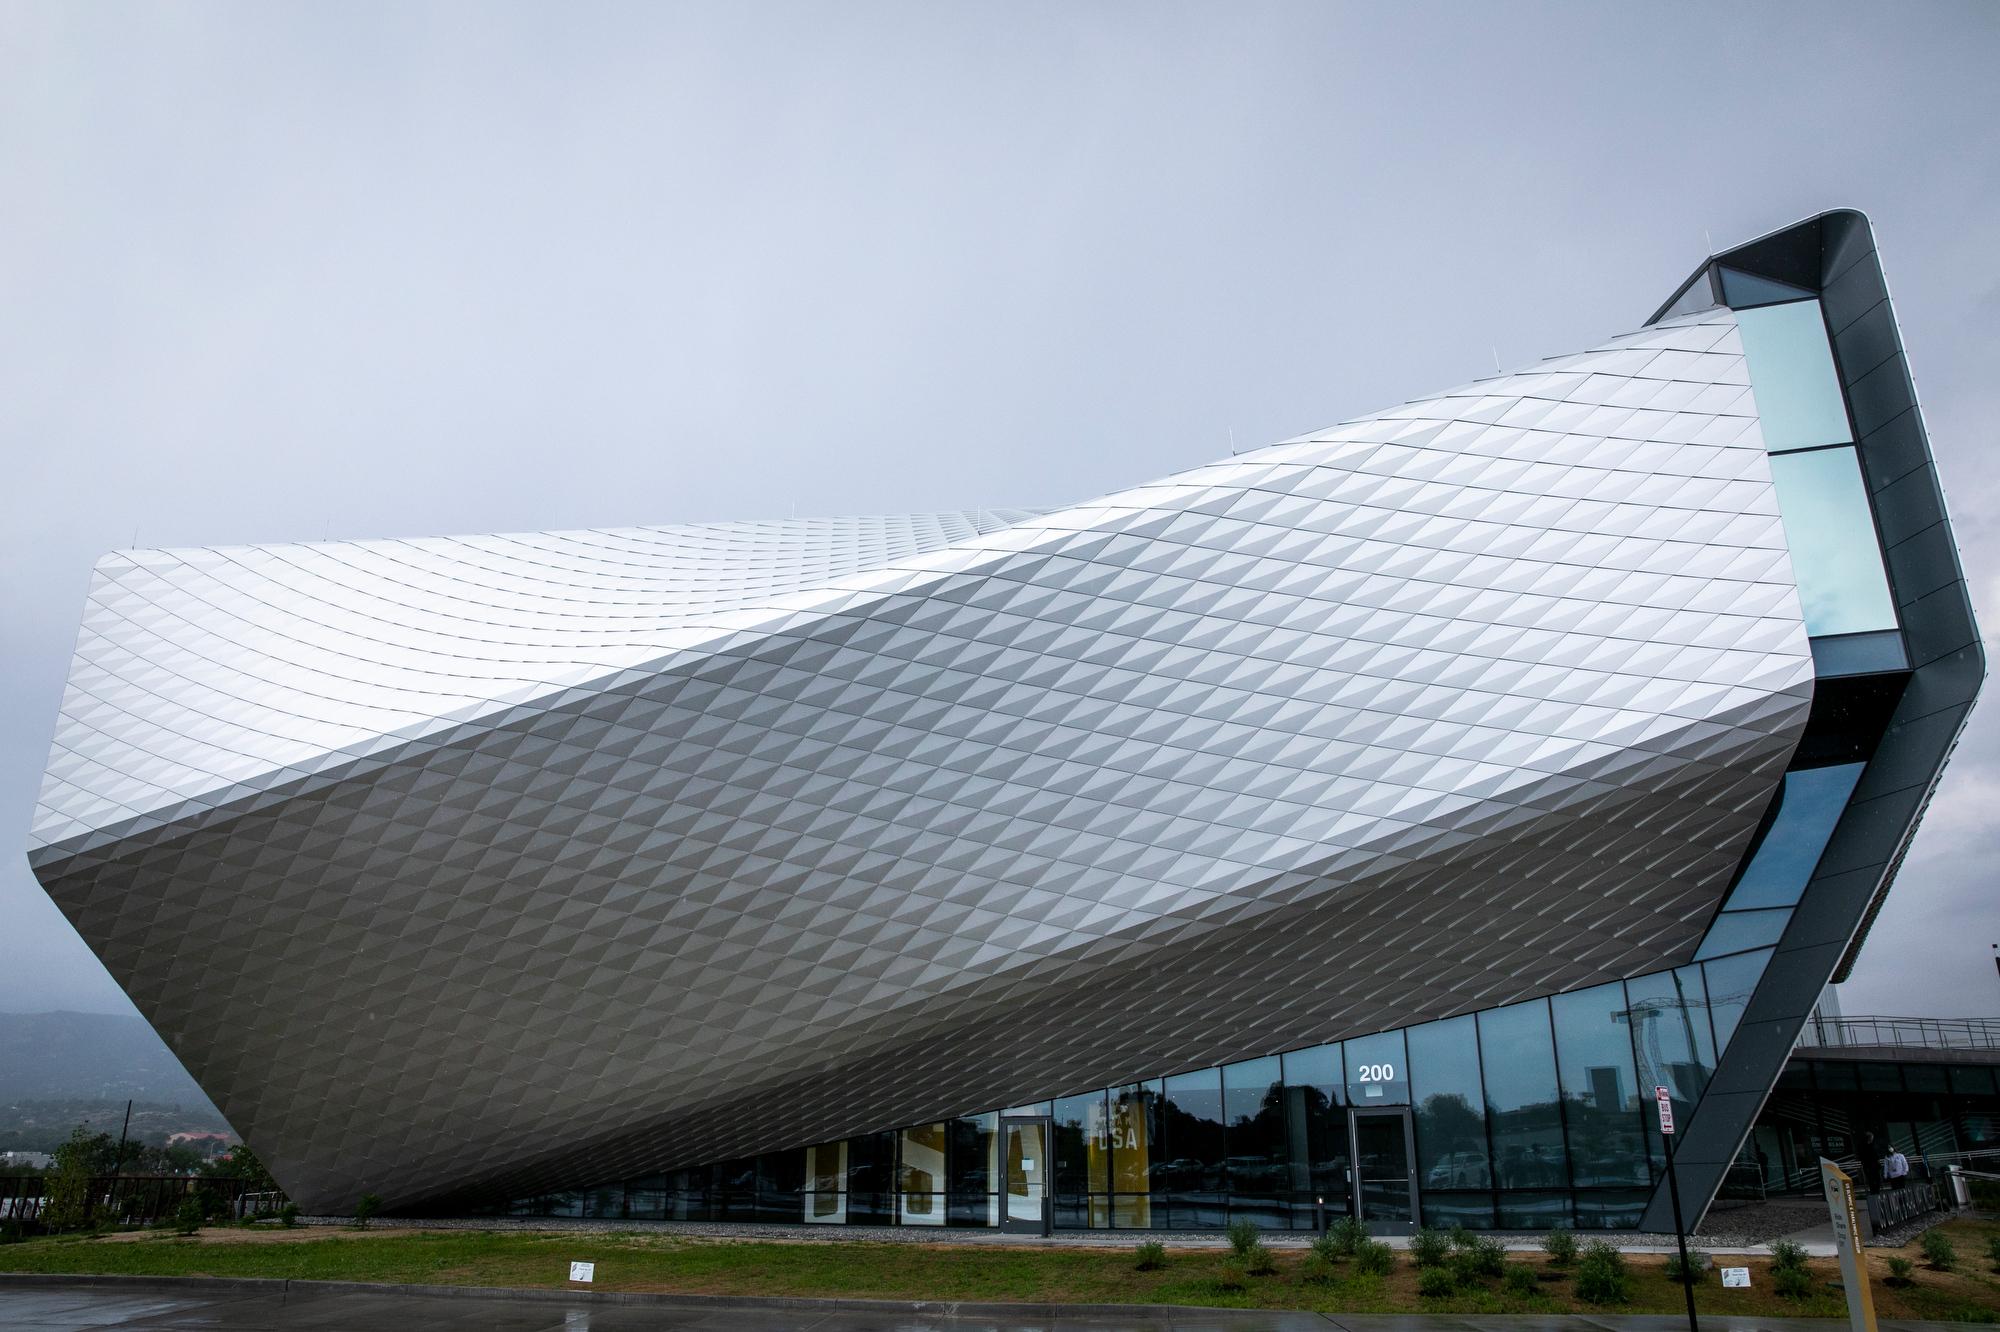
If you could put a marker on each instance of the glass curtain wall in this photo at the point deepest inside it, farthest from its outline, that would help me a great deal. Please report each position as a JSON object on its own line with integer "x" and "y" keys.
{"x": 1525, "y": 1117}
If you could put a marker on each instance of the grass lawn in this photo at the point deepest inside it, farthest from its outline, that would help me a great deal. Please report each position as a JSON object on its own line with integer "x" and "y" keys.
{"x": 985, "y": 1272}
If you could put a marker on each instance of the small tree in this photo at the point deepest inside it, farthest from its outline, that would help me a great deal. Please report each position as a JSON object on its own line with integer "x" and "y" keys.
{"x": 189, "y": 1215}
{"x": 68, "y": 1197}
{"x": 365, "y": 1209}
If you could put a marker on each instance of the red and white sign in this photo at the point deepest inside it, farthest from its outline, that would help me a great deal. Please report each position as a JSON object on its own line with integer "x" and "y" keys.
{"x": 1666, "y": 1101}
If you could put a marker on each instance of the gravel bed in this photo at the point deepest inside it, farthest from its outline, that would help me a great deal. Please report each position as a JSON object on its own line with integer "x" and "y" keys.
{"x": 1079, "y": 1239}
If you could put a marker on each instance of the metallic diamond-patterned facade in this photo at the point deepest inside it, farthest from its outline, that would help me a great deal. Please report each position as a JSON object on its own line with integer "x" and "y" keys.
{"x": 482, "y": 863}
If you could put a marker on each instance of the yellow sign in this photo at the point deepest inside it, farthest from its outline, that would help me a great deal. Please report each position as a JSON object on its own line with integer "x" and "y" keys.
{"x": 1839, "y": 1188}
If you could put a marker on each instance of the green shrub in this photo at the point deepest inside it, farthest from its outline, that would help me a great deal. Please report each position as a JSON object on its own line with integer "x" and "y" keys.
{"x": 1483, "y": 1256}
{"x": 1560, "y": 1246}
{"x": 1327, "y": 1248}
{"x": 1601, "y": 1276}
{"x": 1317, "y": 1269}
{"x": 1520, "y": 1279}
{"x": 1939, "y": 1251}
{"x": 1259, "y": 1261}
{"x": 1697, "y": 1263}
{"x": 1901, "y": 1271}
{"x": 288, "y": 1215}
{"x": 1231, "y": 1276}
{"x": 1348, "y": 1235}
{"x": 1792, "y": 1283}
{"x": 1242, "y": 1234}
{"x": 1151, "y": 1256}
{"x": 1787, "y": 1256}
{"x": 1430, "y": 1248}
{"x": 1460, "y": 1237}
{"x": 366, "y": 1208}
{"x": 1993, "y": 1251}
{"x": 1436, "y": 1282}
{"x": 189, "y": 1215}
{"x": 1374, "y": 1258}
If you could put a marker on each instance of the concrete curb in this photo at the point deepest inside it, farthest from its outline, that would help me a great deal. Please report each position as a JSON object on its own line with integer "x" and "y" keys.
{"x": 287, "y": 1286}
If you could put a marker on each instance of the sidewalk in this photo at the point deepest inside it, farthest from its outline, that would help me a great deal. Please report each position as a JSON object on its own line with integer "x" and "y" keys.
{"x": 61, "y": 1304}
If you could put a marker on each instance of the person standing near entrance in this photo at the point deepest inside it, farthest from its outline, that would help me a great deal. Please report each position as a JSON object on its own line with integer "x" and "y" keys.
{"x": 1897, "y": 1170}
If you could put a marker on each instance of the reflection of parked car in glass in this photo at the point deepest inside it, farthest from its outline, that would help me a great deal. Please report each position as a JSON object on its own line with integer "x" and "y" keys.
{"x": 1459, "y": 1170}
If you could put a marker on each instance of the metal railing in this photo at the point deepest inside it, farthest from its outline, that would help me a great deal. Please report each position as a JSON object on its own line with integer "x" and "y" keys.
{"x": 1922, "y": 1033}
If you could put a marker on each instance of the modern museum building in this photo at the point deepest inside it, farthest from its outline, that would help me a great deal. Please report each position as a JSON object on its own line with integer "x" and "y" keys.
{"x": 1364, "y": 824}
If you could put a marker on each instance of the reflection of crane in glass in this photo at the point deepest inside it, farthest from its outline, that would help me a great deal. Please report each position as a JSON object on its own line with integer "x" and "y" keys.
{"x": 1683, "y": 1077}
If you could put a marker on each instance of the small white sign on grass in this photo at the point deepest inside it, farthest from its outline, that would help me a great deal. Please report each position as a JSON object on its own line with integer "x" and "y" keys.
{"x": 1736, "y": 1276}
{"x": 583, "y": 1271}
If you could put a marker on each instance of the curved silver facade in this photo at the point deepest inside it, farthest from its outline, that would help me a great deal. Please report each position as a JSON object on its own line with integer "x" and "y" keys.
{"x": 476, "y": 863}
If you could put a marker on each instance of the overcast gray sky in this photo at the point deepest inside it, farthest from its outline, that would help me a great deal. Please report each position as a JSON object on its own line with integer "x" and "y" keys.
{"x": 273, "y": 272}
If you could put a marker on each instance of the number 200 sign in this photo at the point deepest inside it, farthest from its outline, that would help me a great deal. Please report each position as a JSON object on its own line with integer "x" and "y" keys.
{"x": 1377, "y": 1073}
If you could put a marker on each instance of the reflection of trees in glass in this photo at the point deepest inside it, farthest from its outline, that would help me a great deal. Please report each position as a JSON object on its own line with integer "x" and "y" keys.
{"x": 1452, "y": 1136}
{"x": 1256, "y": 1141}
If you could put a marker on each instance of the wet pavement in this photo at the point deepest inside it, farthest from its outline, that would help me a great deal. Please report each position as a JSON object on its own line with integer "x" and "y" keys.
{"x": 298, "y": 1307}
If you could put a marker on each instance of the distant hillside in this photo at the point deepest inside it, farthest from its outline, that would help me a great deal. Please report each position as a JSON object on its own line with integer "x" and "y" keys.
{"x": 61, "y": 1069}
{"x": 89, "y": 1056}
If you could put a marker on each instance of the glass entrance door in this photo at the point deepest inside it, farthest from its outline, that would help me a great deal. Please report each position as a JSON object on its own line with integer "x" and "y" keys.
{"x": 1025, "y": 1169}
{"x": 1385, "y": 1177}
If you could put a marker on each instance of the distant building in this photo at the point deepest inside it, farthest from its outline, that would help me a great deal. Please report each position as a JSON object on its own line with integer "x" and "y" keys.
{"x": 1374, "y": 823}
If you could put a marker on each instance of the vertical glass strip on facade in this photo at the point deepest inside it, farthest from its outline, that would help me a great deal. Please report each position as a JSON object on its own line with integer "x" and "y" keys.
{"x": 1135, "y": 1128}
{"x": 1836, "y": 555}
{"x": 1316, "y": 1127}
{"x": 1454, "y": 1166}
{"x": 1730, "y": 981}
{"x": 1523, "y": 1101}
{"x": 1255, "y": 1143}
{"x": 1191, "y": 1178}
{"x": 1599, "y": 1089}
{"x": 1792, "y": 376}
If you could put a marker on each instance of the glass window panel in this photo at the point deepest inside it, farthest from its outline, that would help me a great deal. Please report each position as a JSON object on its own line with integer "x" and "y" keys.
{"x": 1082, "y": 1143}
{"x": 734, "y": 1197}
{"x": 1730, "y": 981}
{"x": 646, "y": 1199}
{"x": 1669, "y": 1030}
{"x": 825, "y": 1200}
{"x": 920, "y": 1169}
{"x": 1742, "y": 289}
{"x": 1317, "y": 1125}
{"x": 1609, "y": 1209}
{"x": 1450, "y": 1108}
{"x": 1442, "y": 1211}
{"x": 972, "y": 1157}
{"x": 1971, "y": 1081}
{"x": 1810, "y": 802}
{"x": 1518, "y": 1058}
{"x": 1792, "y": 376}
{"x": 1253, "y": 1114}
{"x": 1925, "y": 1078}
{"x": 1533, "y": 1211}
{"x": 871, "y": 1182}
{"x": 1600, "y": 1092}
{"x": 781, "y": 1181}
{"x": 1135, "y": 1127}
{"x": 1377, "y": 1072}
{"x": 1192, "y": 1175}
{"x": 1859, "y": 654}
{"x": 1698, "y": 295}
{"x": 1835, "y": 1075}
{"x": 1736, "y": 931}
{"x": 1836, "y": 556}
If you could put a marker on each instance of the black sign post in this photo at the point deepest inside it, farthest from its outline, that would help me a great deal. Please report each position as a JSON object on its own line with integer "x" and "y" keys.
{"x": 1666, "y": 1103}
